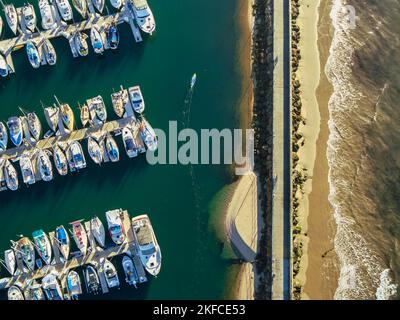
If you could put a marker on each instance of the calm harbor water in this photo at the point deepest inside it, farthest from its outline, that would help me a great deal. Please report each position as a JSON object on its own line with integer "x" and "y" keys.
{"x": 192, "y": 36}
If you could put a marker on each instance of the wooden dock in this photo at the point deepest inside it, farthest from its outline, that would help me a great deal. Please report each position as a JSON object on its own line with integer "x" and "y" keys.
{"x": 94, "y": 257}
{"x": 67, "y": 31}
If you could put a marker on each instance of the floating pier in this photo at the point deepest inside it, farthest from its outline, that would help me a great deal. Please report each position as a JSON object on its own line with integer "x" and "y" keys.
{"x": 94, "y": 257}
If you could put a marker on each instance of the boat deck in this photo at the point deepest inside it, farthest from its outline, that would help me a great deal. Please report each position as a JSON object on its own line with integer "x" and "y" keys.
{"x": 95, "y": 257}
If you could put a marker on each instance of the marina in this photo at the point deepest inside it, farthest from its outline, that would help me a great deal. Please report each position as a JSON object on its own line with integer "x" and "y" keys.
{"x": 62, "y": 142}
{"x": 96, "y": 257}
{"x": 38, "y": 41}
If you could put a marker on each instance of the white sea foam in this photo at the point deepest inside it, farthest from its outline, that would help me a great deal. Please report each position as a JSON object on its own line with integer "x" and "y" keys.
{"x": 362, "y": 269}
{"x": 387, "y": 289}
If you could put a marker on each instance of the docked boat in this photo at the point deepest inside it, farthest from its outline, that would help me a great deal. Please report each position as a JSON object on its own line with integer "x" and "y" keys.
{"x": 95, "y": 151}
{"x": 52, "y": 115}
{"x": 136, "y": 97}
{"x": 28, "y": 175}
{"x": 34, "y": 125}
{"x": 131, "y": 275}
{"x": 97, "y": 109}
{"x": 148, "y": 135}
{"x": 29, "y": 16}
{"x": 44, "y": 166}
{"x": 52, "y": 287}
{"x": 14, "y": 125}
{"x": 48, "y": 14}
{"x": 92, "y": 280}
{"x": 60, "y": 161}
{"x": 149, "y": 250}
{"x": 119, "y": 100}
{"x": 65, "y": 10}
{"x": 84, "y": 114}
{"x": 112, "y": 148}
{"x": 1, "y": 25}
{"x": 63, "y": 242}
{"x": 3, "y": 137}
{"x": 42, "y": 244}
{"x": 111, "y": 274}
{"x": 67, "y": 116}
{"x": 97, "y": 228}
{"x": 4, "y": 70}
{"x": 143, "y": 14}
{"x": 129, "y": 142}
{"x": 81, "y": 7}
{"x": 74, "y": 286}
{"x": 117, "y": 4}
{"x": 26, "y": 250}
{"x": 11, "y": 17}
{"x": 115, "y": 226}
{"x": 34, "y": 292}
{"x": 33, "y": 54}
{"x": 80, "y": 236}
{"x": 49, "y": 53}
{"x": 11, "y": 176}
{"x": 112, "y": 36}
{"x": 99, "y": 5}
{"x": 15, "y": 293}
{"x": 97, "y": 40}
{"x": 77, "y": 155}
{"x": 9, "y": 260}
{"x": 81, "y": 43}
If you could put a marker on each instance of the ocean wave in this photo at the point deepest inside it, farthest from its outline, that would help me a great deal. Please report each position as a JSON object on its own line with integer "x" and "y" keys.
{"x": 387, "y": 289}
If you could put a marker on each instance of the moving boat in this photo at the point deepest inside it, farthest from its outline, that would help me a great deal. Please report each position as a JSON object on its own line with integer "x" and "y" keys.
{"x": 33, "y": 54}
{"x": 63, "y": 242}
{"x": 117, "y": 4}
{"x": 11, "y": 17}
{"x": 119, "y": 100}
{"x": 111, "y": 274}
{"x": 115, "y": 226}
{"x": 48, "y": 14}
{"x": 3, "y": 137}
{"x": 42, "y": 245}
{"x": 9, "y": 260}
{"x": 67, "y": 116}
{"x": 4, "y": 70}
{"x": 92, "y": 280}
{"x": 136, "y": 97}
{"x": 14, "y": 125}
{"x": 193, "y": 81}
{"x": 52, "y": 116}
{"x": 49, "y": 52}
{"x": 28, "y": 174}
{"x": 129, "y": 142}
{"x": 34, "y": 292}
{"x": 52, "y": 287}
{"x": 97, "y": 109}
{"x": 29, "y": 16}
{"x": 85, "y": 116}
{"x": 149, "y": 250}
{"x": 97, "y": 40}
{"x": 144, "y": 15}
{"x": 81, "y": 7}
{"x": 95, "y": 151}
{"x": 60, "y": 161}
{"x": 44, "y": 166}
{"x": 131, "y": 275}
{"x": 65, "y": 10}
{"x": 26, "y": 250}
{"x": 74, "y": 285}
{"x": 97, "y": 228}
{"x": 81, "y": 43}
{"x": 112, "y": 149}
{"x": 80, "y": 236}
{"x": 77, "y": 155}
{"x": 11, "y": 176}
{"x": 99, "y": 5}
{"x": 15, "y": 293}
{"x": 34, "y": 125}
{"x": 112, "y": 36}
{"x": 148, "y": 135}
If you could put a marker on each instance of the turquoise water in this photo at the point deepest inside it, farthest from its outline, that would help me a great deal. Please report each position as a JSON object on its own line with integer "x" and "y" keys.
{"x": 192, "y": 36}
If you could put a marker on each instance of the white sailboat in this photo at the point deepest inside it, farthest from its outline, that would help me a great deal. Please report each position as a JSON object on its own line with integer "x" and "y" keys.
{"x": 15, "y": 293}
{"x": 111, "y": 274}
{"x": 60, "y": 161}
{"x": 115, "y": 226}
{"x": 3, "y": 137}
{"x": 97, "y": 40}
{"x": 52, "y": 117}
{"x": 148, "y": 135}
{"x": 4, "y": 69}
{"x": 95, "y": 151}
{"x": 11, "y": 176}
{"x": 129, "y": 142}
{"x": 49, "y": 52}
{"x": 97, "y": 228}
{"x": 112, "y": 148}
{"x": 34, "y": 125}
{"x": 29, "y": 16}
{"x": 11, "y": 17}
{"x": 44, "y": 166}
{"x": 48, "y": 14}
{"x": 9, "y": 259}
{"x": 77, "y": 155}
{"x": 28, "y": 174}
{"x": 65, "y": 10}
